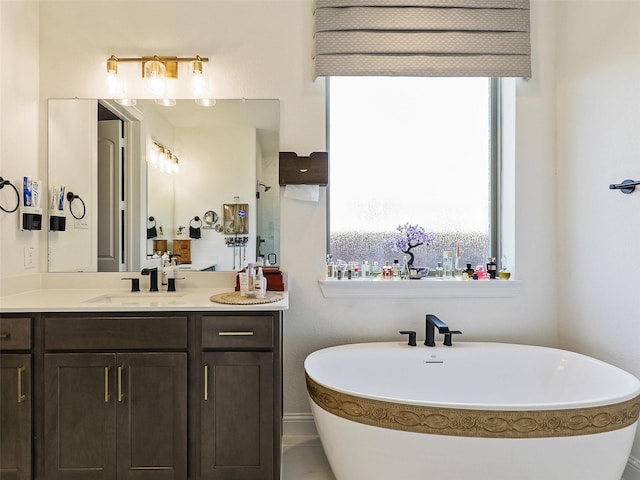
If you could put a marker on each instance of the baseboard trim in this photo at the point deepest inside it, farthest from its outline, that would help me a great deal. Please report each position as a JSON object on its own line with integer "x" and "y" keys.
{"x": 632, "y": 472}
{"x": 299, "y": 425}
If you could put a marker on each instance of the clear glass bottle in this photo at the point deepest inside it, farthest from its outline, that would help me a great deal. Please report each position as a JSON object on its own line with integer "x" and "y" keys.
{"x": 447, "y": 263}
{"x": 439, "y": 271}
{"x": 404, "y": 270}
{"x": 365, "y": 270}
{"x": 376, "y": 271}
{"x": 457, "y": 264}
{"x": 504, "y": 273}
{"x": 396, "y": 270}
{"x": 331, "y": 267}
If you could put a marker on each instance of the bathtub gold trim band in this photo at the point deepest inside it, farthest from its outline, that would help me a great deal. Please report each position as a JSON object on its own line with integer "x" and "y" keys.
{"x": 475, "y": 423}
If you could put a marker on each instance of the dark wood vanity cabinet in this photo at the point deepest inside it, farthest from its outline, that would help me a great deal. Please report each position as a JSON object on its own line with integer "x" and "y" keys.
{"x": 115, "y": 413}
{"x": 240, "y": 400}
{"x": 15, "y": 398}
{"x": 144, "y": 396}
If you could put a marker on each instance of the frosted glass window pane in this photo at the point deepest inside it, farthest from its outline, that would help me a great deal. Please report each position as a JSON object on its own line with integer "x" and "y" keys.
{"x": 413, "y": 150}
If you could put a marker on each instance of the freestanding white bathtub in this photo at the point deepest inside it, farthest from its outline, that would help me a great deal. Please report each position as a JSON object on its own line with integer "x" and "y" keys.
{"x": 473, "y": 411}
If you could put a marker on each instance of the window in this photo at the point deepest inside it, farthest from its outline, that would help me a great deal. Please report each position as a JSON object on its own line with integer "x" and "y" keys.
{"x": 416, "y": 150}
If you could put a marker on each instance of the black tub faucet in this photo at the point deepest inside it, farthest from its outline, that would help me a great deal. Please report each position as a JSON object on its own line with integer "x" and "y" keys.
{"x": 434, "y": 322}
{"x": 153, "y": 276}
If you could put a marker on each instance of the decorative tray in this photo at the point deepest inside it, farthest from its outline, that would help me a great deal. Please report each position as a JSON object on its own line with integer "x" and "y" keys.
{"x": 234, "y": 298}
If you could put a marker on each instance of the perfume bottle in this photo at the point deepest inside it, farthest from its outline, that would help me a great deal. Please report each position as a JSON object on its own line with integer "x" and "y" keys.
{"x": 395, "y": 270}
{"x": 457, "y": 265}
{"x": 439, "y": 271}
{"x": 447, "y": 263}
{"x": 504, "y": 273}
{"x": 404, "y": 270}
{"x": 492, "y": 267}
{"x": 365, "y": 271}
{"x": 376, "y": 271}
{"x": 331, "y": 267}
{"x": 387, "y": 271}
{"x": 469, "y": 271}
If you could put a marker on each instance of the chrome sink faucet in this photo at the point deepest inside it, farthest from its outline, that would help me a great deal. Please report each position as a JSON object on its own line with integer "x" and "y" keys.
{"x": 433, "y": 322}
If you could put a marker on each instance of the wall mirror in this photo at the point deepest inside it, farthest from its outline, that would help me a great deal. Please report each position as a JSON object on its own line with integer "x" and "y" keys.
{"x": 157, "y": 178}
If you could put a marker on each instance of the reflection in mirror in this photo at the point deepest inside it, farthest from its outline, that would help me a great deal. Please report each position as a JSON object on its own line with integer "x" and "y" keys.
{"x": 115, "y": 155}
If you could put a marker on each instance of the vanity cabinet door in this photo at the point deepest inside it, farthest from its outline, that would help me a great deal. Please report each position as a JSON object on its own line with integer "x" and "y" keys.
{"x": 115, "y": 416}
{"x": 15, "y": 417}
{"x": 237, "y": 415}
{"x": 80, "y": 416}
{"x": 152, "y": 416}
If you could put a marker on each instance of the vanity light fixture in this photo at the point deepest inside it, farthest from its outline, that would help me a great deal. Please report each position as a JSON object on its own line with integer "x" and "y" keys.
{"x": 156, "y": 70}
{"x": 163, "y": 159}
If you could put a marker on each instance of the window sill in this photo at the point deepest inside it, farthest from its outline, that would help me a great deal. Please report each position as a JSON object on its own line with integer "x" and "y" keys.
{"x": 425, "y": 288}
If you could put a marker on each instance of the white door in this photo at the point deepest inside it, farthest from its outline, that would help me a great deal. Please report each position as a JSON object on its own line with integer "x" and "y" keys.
{"x": 111, "y": 201}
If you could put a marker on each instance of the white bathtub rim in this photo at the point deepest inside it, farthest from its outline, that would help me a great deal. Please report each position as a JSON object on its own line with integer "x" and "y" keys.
{"x": 595, "y": 401}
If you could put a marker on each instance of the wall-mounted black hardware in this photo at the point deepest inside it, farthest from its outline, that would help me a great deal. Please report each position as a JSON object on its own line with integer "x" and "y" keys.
{"x": 30, "y": 218}
{"x": 57, "y": 223}
{"x": 71, "y": 197}
{"x": 4, "y": 183}
{"x": 194, "y": 231}
{"x": 412, "y": 337}
{"x": 311, "y": 170}
{"x": 135, "y": 283}
{"x": 626, "y": 186}
{"x": 447, "y": 337}
{"x": 152, "y": 232}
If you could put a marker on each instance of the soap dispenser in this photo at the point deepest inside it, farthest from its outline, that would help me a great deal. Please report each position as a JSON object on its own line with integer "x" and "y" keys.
{"x": 165, "y": 271}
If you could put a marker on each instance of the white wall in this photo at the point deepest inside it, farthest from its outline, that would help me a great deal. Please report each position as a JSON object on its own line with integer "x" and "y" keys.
{"x": 262, "y": 49}
{"x": 598, "y": 143}
{"x": 210, "y": 157}
{"x": 19, "y": 133}
{"x": 74, "y": 132}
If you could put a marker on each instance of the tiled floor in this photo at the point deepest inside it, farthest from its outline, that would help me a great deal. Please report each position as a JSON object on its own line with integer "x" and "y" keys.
{"x": 304, "y": 459}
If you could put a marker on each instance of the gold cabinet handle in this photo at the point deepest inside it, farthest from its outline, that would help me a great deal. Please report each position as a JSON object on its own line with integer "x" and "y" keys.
{"x": 106, "y": 384}
{"x": 120, "y": 395}
{"x": 5, "y": 336}
{"x": 21, "y": 396}
{"x": 236, "y": 334}
{"x": 206, "y": 383}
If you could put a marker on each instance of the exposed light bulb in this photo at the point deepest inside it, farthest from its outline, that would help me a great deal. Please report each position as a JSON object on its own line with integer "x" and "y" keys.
{"x": 115, "y": 85}
{"x": 155, "y": 73}
{"x": 166, "y": 102}
{"x": 127, "y": 102}
{"x": 206, "y": 102}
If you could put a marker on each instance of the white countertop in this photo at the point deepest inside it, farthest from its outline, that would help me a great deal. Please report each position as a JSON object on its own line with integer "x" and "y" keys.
{"x": 98, "y": 300}
{"x": 108, "y": 293}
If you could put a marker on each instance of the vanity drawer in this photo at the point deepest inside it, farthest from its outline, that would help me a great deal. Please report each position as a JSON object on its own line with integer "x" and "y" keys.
{"x": 15, "y": 333}
{"x": 237, "y": 332}
{"x": 115, "y": 333}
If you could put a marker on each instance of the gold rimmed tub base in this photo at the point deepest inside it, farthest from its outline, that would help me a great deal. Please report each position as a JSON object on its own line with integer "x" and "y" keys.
{"x": 475, "y": 423}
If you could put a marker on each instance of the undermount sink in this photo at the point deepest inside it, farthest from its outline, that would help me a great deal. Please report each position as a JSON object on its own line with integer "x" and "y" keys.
{"x": 139, "y": 298}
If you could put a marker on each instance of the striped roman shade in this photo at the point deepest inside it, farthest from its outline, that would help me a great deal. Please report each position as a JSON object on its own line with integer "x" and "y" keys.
{"x": 436, "y": 38}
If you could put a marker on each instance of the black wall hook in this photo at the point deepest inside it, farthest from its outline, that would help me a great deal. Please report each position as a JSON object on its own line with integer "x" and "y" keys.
{"x": 626, "y": 186}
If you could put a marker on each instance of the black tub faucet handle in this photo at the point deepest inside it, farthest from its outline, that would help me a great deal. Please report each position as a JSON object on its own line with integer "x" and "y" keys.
{"x": 412, "y": 337}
